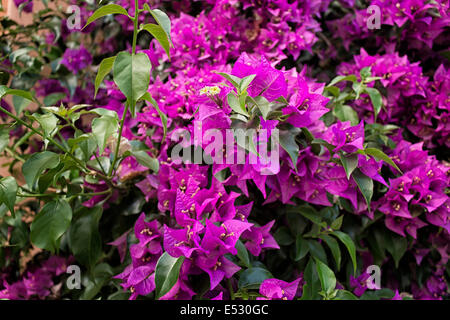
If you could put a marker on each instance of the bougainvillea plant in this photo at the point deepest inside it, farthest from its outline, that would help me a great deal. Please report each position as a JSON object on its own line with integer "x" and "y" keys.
{"x": 225, "y": 150}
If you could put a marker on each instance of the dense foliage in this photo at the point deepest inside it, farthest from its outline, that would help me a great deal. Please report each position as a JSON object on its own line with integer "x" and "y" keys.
{"x": 108, "y": 116}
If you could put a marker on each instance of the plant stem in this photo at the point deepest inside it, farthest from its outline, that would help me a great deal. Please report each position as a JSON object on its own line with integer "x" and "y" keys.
{"x": 62, "y": 148}
{"x": 230, "y": 288}
{"x": 35, "y": 195}
{"x": 136, "y": 20}
{"x": 125, "y": 111}
{"x": 14, "y": 154}
{"x": 116, "y": 153}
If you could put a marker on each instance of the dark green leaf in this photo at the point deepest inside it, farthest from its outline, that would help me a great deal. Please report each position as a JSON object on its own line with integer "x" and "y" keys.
{"x": 8, "y": 192}
{"x": 317, "y": 251}
{"x": 301, "y": 248}
{"x": 36, "y": 164}
{"x": 242, "y": 253}
{"x": 85, "y": 240}
{"x": 326, "y": 277}
{"x": 376, "y": 99}
{"x": 105, "y": 67}
{"x": 166, "y": 273}
{"x": 334, "y": 247}
{"x": 287, "y": 142}
{"x": 50, "y": 224}
{"x": 380, "y": 155}
{"x": 132, "y": 76}
{"x": 253, "y": 277}
{"x": 365, "y": 185}
{"x": 349, "y": 162}
{"x": 348, "y": 242}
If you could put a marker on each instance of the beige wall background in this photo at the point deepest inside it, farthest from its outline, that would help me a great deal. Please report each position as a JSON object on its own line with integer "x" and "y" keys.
{"x": 10, "y": 10}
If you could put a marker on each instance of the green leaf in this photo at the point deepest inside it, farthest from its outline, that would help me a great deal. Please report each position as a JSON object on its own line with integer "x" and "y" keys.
{"x": 311, "y": 288}
{"x": 234, "y": 104}
{"x": 132, "y": 76}
{"x": 104, "y": 11}
{"x": 336, "y": 224}
{"x": 162, "y": 116}
{"x": 346, "y": 113}
{"x": 397, "y": 247}
{"x": 326, "y": 277}
{"x": 4, "y": 90}
{"x": 287, "y": 142}
{"x": 301, "y": 248}
{"x": 365, "y": 185}
{"x": 48, "y": 123}
{"x": 252, "y": 278}
{"x": 4, "y": 138}
{"x": 348, "y": 242}
{"x": 242, "y": 253}
{"x": 283, "y": 236}
{"x": 53, "y": 98}
{"x": 105, "y": 67}
{"x": 245, "y": 82}
{"x": 345, "y": 295}
{"x": 162, "y": 19}
{"x": 166, "y": 273}
{"x": 84, "y": 237}
{"x": 37, "y": 164}
{"x": 20, "y": 103}
{"x": 101, "y": 274}
{"x": 8, "y": 192}
{"x": 317, "y": 251}
{"x": 103, "y": 128}
{"x": 349, "y": 162}
{"x": 380, "y": 155}
{"x": 351, "y": 78}
{"x": 311, "y": 214}
{"x": 376, "y": 99}
{"x": 158, "y": 33}
{"x": 144, "y": 159}
{"x": 50, "y": 224}
{"x": 262, "y": 104}
{"x": 365, "y": 72}
{"x": 334, "y": 247}
{"x": 235, "y": 81}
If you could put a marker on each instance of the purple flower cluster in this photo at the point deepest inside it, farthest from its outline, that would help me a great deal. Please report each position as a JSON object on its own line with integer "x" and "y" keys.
{"x": 36, "y": 283}
{"x": 417, "y": 195}
{"x": 76, "y": 59}
{"x": 407, "y": 89}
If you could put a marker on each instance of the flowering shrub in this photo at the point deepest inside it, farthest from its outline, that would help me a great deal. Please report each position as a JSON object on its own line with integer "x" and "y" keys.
{"x": 226, "y": 150}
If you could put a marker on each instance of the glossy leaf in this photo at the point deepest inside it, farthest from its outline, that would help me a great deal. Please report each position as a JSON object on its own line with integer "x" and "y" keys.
{"x": 104, "y": 11}
{"x": 252, "y": 278}
{"x": 103, "y": 128}
{"x": 326, "y": 277}
{"x": 8, "y": 192}
{"x": 50, "y": 224}
{"x": 166, "y": 273}
{"x": 365, "y": 185}
{"x": 85, "y": 240}
{"x": 158, "y": 33}
{"x": 37, "y": 164}
{"x": 132, "y": 76}
{"x": 349, "y": 244}
{"x": 105, "y": 67}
